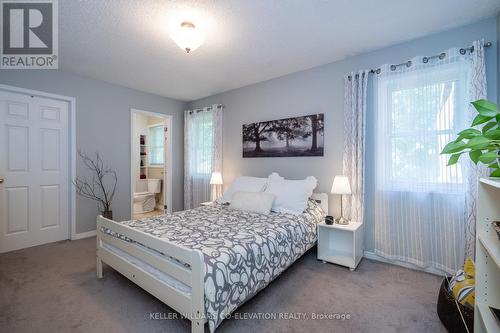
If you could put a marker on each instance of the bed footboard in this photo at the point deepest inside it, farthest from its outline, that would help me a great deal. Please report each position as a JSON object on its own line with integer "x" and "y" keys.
{"x": 190, "y": 305}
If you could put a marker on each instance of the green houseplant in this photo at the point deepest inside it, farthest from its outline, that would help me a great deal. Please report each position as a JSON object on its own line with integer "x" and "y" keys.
{"x": 481, "y": 143}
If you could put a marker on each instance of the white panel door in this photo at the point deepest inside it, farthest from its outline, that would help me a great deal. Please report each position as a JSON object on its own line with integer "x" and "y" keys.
{"x": 34, "y": 205}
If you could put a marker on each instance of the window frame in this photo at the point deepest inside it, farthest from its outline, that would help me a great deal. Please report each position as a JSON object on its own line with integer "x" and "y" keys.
{"x": 387, "y": 133}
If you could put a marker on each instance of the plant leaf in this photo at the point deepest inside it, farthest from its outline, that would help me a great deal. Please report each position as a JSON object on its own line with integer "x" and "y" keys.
{"x": 454, "y": 159}
{"x": 469, "y": 133}
{"x": 480, "y": 119}
{"x": 486, "y": 108}
{"x": 488, "y": 157}
{"x": 453, "y": 147}
{"x": 478, "y": 142}
{"x": 493, "y": 134}
{"x": 489, "y": 126}
{"x": 474, "y": 155}
{"x": 493, "y": 166}
{"x": 495, "y": 173}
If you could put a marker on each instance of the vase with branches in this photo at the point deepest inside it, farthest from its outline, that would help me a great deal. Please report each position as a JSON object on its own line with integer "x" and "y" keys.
{"x": 100, "y": 186}
{"x": 482, "y": 144}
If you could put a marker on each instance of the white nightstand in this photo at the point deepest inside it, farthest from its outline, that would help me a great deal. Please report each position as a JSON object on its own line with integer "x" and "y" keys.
{"x": 208, "y": 203}
{"x": 341, "y": 244}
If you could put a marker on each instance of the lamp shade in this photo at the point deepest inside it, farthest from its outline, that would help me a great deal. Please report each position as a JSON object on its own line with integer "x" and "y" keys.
{"x": 216, "y": 178}
{"x": 341, "y": 185}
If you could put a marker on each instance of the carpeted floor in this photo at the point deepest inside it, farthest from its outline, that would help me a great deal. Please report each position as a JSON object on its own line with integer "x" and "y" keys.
{"x": 53, "y": 288}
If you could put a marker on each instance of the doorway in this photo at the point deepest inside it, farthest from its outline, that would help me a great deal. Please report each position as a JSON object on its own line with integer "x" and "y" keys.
{"x": 36, "y": 168}
{"x": 150, "y": 164}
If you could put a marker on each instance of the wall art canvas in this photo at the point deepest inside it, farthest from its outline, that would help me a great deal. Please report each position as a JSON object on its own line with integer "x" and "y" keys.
{"x": 299, "y": 136}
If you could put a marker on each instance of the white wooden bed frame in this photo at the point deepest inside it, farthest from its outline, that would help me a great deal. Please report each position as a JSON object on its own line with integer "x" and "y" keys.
{"x": 191, "y": 306}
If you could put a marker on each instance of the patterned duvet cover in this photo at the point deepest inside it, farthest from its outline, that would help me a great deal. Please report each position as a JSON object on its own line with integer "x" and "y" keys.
{"x": 243, "y": 251}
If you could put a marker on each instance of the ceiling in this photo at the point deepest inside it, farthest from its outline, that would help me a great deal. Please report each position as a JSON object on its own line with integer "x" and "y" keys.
{"x": 127, "y": 42}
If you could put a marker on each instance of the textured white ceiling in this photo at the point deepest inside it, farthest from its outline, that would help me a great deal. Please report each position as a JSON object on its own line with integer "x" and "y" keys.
{"x": 247, "y": 41}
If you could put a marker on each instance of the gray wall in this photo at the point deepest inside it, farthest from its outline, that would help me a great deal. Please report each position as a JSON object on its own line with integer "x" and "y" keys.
{"x": 103, "y": 118}
{"x": 103, "y": 124}
{"x": 321, "y": 90}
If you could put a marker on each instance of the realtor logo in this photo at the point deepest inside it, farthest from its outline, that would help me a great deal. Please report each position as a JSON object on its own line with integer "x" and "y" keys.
{"x": 29, "y": 34}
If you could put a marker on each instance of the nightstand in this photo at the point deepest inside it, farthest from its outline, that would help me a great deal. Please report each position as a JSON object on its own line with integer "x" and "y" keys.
{"x": 341, "y": 244}
{"x": 208, "y": 203}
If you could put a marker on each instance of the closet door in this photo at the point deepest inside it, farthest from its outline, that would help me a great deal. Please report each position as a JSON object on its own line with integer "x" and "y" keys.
{"x": 34, "y": 175}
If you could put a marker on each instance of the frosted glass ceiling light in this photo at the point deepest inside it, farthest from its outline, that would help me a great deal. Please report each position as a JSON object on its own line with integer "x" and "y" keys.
{"x": 187, "y": 37}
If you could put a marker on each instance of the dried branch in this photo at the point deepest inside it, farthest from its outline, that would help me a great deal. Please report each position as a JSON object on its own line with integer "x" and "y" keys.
{"x": 96, "y": 188}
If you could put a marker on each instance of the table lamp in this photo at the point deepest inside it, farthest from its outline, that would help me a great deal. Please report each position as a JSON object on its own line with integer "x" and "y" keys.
{"x": 215, "y": 181}
{"x": 341, "y": 186}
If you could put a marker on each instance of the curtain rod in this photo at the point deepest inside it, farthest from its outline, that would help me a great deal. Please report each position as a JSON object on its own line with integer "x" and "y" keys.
{"x": 425, "y": 60}
{"x": 208, "y": 108}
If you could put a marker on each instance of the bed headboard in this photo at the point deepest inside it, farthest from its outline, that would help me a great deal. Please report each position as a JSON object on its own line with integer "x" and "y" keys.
{"x": 322, "y": 199}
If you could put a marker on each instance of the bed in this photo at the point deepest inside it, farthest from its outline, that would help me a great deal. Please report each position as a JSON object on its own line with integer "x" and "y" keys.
{"x": 206, "y": 262}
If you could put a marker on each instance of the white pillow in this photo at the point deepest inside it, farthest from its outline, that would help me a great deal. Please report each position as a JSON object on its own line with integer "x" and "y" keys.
{"x": 257, "y": 202}
{"x": 291, "y": 195}
{"x": 243, "y": 184}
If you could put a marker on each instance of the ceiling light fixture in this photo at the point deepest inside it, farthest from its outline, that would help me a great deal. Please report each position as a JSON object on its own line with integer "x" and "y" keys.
{"x": 187, "y": 37}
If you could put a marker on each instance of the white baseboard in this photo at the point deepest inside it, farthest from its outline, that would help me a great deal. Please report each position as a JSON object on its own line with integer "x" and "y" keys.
{"x": 86, "y": 234}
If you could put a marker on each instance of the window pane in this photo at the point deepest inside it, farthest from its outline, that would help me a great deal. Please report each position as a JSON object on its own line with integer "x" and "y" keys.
{"x": 157, "y": 155}
{"x": 202, "y": 141}
{"x": 157, "y": 137}
{"x": 427, "y": 107}
{"x": 419, "y": 112}
{"x": 417, "y": 159}
{"x": 156, "y": 140}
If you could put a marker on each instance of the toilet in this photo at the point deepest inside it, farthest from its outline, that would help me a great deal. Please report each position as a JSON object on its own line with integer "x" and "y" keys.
{"x": 146, "y": 201}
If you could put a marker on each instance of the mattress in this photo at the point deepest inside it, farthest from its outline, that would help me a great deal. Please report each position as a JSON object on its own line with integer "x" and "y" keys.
{"x": 243, "y": 251}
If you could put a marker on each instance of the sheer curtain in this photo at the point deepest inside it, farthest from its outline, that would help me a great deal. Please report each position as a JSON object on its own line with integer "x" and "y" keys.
{"x": 202, "y": 153}
{"x": 477, "y": 90}
{"x": 355, "y": 90}
{"x": 420, "y": 203}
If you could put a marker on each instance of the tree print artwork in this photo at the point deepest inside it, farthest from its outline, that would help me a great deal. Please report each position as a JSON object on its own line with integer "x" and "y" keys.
{"x": 299, "y": 136}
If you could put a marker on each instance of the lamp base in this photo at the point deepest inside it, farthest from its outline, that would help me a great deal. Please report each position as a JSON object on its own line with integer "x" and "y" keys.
{"x": 342, "y": 220}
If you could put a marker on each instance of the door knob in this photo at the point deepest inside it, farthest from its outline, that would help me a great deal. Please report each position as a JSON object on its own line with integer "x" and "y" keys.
{"x": 2, "y": 180}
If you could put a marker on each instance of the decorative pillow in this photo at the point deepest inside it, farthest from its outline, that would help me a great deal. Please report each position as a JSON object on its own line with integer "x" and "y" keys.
{"x": 291, "y": 195}
{"x": 462, "y": 284}
{"x": 246, "y": 184}
{"x": 256, "y": 202}
{"x": 243, "y": 184}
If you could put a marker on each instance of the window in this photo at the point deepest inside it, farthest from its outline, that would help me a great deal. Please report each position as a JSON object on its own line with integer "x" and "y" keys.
{"x": 156, "y": 145}
{"x": 202, "y": 144}
{"x": 202, "y": 154}
{"x": 419, "y": 112}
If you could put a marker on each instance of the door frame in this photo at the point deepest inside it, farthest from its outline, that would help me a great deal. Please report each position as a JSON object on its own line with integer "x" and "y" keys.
{"x": 71, "y": 145}
{"x": 167, "y": 167}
